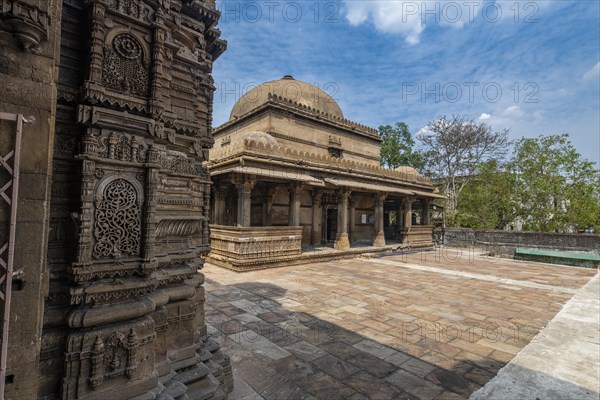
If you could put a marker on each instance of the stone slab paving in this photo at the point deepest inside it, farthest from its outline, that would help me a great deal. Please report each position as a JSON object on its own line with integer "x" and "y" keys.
{"x": 398, "y": 327}
{"x": 564, "y": 360}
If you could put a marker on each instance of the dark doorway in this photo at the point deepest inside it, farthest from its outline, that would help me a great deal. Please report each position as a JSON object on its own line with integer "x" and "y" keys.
{"x": 331, "y": 225}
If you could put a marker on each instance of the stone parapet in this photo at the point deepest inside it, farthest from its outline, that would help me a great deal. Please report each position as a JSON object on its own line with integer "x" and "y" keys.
{"x": 505, "y": 242}
{"x": 418, "y": 235}
{"x": 245, "y": 246}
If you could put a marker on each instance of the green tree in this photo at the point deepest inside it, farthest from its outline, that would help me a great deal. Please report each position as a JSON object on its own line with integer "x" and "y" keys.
{"x": 453, "y": 149}
{"x": 556, "y": 189}
{"x": 397, "y": 147}
{"x": 487, "y": 201}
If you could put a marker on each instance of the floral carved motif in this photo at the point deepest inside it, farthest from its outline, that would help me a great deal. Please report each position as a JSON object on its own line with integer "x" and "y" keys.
{"x": 117, "y": 226}
{"x": 124, "y": 69}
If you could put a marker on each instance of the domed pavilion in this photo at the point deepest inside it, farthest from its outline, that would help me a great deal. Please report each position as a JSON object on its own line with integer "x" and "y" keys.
{"x": 291, "y": 173}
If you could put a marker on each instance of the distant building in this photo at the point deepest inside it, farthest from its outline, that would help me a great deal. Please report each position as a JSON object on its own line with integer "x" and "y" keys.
{"x": 291, "y": 171}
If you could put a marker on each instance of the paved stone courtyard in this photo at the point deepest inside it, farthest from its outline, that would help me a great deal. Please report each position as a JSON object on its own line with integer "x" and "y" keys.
{"x": 433, "y": 325}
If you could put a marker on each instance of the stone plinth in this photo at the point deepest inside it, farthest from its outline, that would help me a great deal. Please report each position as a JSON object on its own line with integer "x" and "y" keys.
{"x": 247, "y": 247}
{"x": 418, "y": 235}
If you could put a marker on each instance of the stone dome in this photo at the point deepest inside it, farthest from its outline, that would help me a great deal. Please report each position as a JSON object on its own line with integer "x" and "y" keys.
{"x": 260, "y": 137}
{"x": 291, "y": 89}
{"x": 406, "y": 169}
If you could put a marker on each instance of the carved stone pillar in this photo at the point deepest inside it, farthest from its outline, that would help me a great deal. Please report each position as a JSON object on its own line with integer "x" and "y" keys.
{"x": 152, "y": 182}
{"x": 341, "y": 241}
{"x": 243, "y": 205}
{"x": 268, "y": 207}
{"x": 407, "y": 218}
{"x": 206, "y": 215}
{"x": 379, "y": 215}
{"x": 407, "y": 214}
{"x": 399, "y": 219}
{"x": 294, "y": 211}
{"x": 219, "y": 211}
{"x": 352, "y": 212}
{"x": 426, "y": 215}
{"x": 317, "y": 212}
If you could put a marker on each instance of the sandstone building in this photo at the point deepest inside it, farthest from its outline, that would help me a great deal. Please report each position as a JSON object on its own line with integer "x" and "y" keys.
{"x": 115, "y": 101}
{"x": 290, "y": 172}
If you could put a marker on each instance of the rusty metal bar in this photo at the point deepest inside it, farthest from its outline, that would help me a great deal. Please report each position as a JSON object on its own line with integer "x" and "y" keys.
{"x": 16, "y": 154}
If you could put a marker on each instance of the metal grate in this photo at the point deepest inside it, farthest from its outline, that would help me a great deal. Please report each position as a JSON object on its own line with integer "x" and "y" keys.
{"x": 9, "y": 163}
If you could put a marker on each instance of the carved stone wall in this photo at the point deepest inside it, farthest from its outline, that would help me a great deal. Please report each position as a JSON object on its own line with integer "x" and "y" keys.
{"x": 124, "y": 312}
{"x": 243, "y": 247}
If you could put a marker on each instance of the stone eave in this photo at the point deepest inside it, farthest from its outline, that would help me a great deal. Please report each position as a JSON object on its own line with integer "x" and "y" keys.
{"x": 316, "y": 169}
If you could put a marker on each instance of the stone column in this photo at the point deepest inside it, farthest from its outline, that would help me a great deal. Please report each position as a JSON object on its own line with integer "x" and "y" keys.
{"x": 426, "y": 214}
{"x": 399, "y": 219}
{"x": 317, "y": 212}
{"x": 268, "y": 206}
{"x": 407, "y": 218}
{"x": 352, "y": 219}
{"x": 243, "y": 204}
{"x": 341, "y": 241}
{"x": 294, "y": 210}
{"x": 219, "y": 211}
{"x": 379, "y": 215}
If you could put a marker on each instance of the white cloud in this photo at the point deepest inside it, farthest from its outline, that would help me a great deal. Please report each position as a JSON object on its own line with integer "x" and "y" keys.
{"x": 400, "y": 17}
{"x": 424, "y": 130}
{"x": 513, "y": 111}
{"x": 485, "y": 116}
{"x": 593, "y": 73}
{"x": 409, "y": 18}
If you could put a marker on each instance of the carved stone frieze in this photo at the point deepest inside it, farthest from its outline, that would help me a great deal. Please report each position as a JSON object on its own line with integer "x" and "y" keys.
{"x": 178, "y": 227}
{"x": 137, "y": 9}
{"x": 82, "y": 297}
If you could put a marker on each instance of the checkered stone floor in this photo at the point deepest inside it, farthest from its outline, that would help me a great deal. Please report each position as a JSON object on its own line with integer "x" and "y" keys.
{"x": 434, "y": 325}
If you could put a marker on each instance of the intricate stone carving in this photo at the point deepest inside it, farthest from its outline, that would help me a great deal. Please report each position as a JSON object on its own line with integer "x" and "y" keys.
{"x": 124, "y": 69}
{"x": 29, "y": 24}
{"x": 113, "y": 358}
{"x": 117, "y": 226}
{"x": 178, "y": 227}
{"x": 132, "y": 8}
{"x": 64, "y": 145}
{"x": 120, "y": 97}
{"x": 182, "y": 165}
{"x": 120, "y": 147}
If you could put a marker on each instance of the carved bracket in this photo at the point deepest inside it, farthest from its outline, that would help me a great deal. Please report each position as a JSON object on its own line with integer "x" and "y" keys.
{"x": 29, "y": 24}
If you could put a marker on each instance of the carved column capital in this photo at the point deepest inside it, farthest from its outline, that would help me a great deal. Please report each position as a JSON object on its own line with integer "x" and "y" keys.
{"x": 380, "y": 197}
{"x": 345, "y": 194}
{"x": 295, "y": 187}
{"x": 317, "y": 197}
{"x": 245, "y": 186}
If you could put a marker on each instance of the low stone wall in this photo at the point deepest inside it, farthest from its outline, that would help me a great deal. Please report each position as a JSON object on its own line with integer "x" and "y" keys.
{"x": 419, "y": 235}
{"x": 505, "y": 242}
{"x": 244, "y": 247}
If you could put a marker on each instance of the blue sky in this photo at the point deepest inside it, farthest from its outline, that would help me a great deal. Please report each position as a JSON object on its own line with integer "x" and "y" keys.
{"x": 531, "y": 66}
